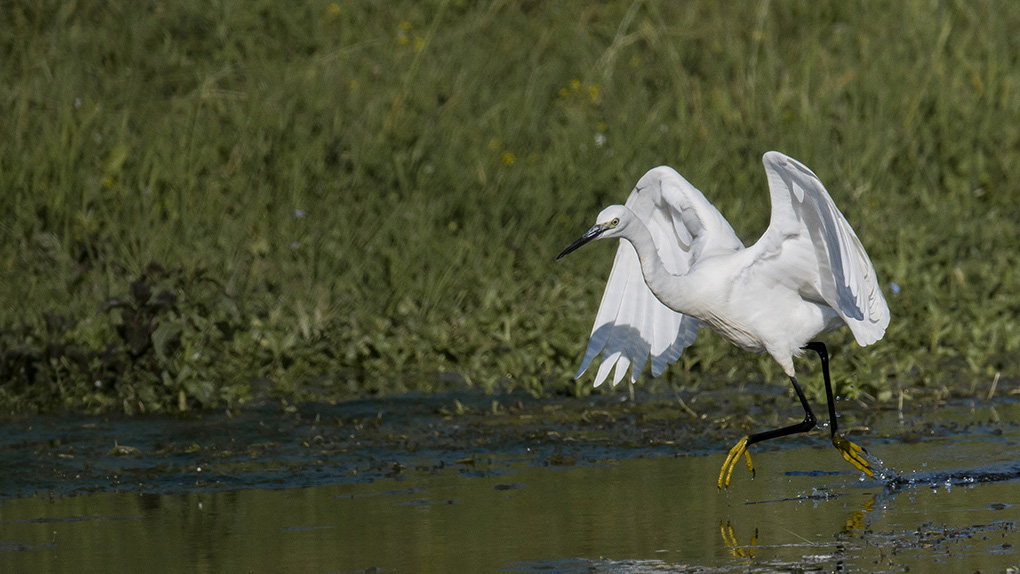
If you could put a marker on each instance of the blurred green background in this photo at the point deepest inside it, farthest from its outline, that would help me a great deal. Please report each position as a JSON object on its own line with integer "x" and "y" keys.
{"x": 212, "y": 204}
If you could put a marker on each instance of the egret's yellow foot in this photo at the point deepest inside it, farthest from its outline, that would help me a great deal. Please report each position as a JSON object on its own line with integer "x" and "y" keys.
{"x": 852, "y": 453}
{"x": 855, "y": 524}
{"x": 731, "y": 460}
{"x": 730, "y": 540}
{"x": 728, "y": 536}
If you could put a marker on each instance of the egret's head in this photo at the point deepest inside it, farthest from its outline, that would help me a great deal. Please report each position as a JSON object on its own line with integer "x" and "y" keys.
{"x": 610, "y": 223}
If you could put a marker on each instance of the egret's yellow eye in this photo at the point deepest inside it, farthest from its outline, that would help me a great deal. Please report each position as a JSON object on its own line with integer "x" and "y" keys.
{"x": 615, "y": 222}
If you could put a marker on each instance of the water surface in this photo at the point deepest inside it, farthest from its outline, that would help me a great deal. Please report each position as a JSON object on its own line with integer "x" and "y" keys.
{"x": 562, "y": 507}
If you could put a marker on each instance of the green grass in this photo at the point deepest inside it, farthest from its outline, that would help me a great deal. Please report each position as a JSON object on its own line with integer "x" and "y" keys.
{"x": 327, "y": 200}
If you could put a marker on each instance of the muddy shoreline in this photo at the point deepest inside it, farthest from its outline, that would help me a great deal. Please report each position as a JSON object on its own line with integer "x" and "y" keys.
{"x": 363, "y": 440}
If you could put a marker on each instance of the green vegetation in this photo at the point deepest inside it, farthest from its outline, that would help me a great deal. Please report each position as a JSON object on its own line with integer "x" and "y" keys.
{"x": 208, "y": 204}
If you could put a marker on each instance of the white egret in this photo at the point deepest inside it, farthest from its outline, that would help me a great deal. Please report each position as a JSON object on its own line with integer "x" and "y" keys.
{"x": 682, "y": 266}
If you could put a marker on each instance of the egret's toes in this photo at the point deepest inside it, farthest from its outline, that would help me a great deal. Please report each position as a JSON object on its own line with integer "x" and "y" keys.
{"x": 728, "y": 536}
{"x": 853, "y": 453}
{"x": 731, "y": 461}
{"x": 730, "y": 540}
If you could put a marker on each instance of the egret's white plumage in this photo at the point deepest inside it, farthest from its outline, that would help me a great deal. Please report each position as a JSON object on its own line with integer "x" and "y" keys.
{"x": 808, "y": 273}
{"x": 681, "y": 266}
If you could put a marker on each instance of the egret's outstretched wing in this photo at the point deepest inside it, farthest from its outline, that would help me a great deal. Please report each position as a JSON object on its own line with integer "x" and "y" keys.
{"x": 807, "y": 231}
{"x": 632, "y": 324}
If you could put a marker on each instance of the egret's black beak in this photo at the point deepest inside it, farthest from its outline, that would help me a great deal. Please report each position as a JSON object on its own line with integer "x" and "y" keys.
{"x": 593, "y": 233}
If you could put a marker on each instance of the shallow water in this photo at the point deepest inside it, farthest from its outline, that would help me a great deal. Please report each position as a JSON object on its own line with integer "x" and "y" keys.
{"x": 510, "y": 510}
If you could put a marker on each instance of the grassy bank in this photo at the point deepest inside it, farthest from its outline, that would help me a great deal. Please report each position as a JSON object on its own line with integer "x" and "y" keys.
{"x": 213, "y": 204}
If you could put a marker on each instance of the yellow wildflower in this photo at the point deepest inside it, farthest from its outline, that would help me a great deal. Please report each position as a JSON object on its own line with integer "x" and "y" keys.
{"x": 403, "y": 38}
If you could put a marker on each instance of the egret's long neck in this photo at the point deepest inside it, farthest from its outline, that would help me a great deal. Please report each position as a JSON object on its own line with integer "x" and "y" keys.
{"x": 672, "y": 290}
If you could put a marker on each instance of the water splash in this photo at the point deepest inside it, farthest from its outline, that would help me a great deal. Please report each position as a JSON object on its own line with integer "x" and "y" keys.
{"x": 1006, "y": 471}
{"x": 882, "y": 473}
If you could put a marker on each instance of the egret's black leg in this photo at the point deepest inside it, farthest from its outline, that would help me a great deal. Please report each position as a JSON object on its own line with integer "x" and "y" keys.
{"x": 741, "y": 447}
{"x": 852, "y": 452}
{"x": 804, "y": 426}
{"x": 823, "y": 355}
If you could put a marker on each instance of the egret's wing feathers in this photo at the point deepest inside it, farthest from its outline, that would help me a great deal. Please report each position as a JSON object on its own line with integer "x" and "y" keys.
{"x": 807, "y": 230}
{"x": 632, "y": 324}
